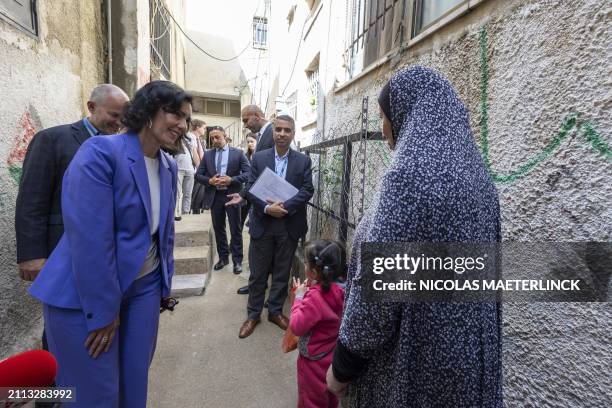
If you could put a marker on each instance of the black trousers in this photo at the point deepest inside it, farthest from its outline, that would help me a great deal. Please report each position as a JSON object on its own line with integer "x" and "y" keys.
{"x": 218, "y": 211}
{"x": 272, "y": 252}
{"x": 244, "y": 212}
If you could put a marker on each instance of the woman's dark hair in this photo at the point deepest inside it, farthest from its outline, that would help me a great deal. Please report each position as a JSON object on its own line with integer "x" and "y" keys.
{"x": 250, "y": 151}
{"x": 328, "y": 258}
{"x": 149, "y": 99}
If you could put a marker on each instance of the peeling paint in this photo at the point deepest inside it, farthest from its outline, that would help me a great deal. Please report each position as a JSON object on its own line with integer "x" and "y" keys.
{"x": 22, "y": 139}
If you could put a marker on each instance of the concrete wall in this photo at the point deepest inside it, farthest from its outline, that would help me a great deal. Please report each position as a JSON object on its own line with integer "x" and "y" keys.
{"x": 131, "y": 46}
{"x": 204, "y": 74}
{"x": 548, "y": 62}
{"x": 313, "y": 32}
{"x": 46, "y": 82}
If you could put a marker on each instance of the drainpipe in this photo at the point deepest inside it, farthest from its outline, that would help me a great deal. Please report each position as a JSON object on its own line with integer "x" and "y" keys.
{"x": 109, "y": 41}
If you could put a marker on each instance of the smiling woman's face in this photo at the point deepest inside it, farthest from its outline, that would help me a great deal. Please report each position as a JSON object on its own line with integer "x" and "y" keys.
{"x": 169, "y": 126}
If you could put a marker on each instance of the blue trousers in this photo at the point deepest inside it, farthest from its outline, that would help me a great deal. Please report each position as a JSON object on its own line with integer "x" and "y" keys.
{"x": 117, "y": 378}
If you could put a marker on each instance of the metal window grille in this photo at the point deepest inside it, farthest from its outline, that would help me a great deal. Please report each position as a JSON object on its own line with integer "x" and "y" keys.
{"x": 375, "y": 29}
{"x": 160, "y": 38}
{"x": 260, "y": 32}
{"x": 313, "y": 87}
{"x": 21, "y": 14}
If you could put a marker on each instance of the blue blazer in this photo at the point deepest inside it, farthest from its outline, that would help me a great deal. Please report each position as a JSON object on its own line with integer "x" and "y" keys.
{"x": 299, "y": 174}
{"x": 238, "y": 169}
{"x": 106, "y": 207}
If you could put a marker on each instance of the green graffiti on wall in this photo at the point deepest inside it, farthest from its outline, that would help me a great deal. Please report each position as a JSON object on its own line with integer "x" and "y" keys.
{"x": 570, "y": 122}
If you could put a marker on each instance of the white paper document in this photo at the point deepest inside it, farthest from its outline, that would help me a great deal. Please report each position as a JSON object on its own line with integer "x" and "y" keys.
{"x": 270, "y": 185}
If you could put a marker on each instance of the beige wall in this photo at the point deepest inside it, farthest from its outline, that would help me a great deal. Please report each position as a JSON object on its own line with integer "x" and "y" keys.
{"x": 46, "y": 82}
{"x": 223, "y": 29}
{"x": 546, "y": 61}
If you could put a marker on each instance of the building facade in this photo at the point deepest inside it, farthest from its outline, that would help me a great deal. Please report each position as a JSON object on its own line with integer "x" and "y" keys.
{"x": 227, "y": 62}
{"x": 534, "y": 75}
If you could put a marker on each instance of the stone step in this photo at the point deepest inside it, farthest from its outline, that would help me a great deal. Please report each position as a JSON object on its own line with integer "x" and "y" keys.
{"x": 192, "y": 260}
{"x": 191, "y": 239}
{"x": 193, "y": 230}
{"x": 189, "y": 285}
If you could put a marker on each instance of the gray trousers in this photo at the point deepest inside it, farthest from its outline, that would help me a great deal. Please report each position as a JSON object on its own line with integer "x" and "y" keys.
{"x": 272, "y": 252}
{"x": 184, "y": 188}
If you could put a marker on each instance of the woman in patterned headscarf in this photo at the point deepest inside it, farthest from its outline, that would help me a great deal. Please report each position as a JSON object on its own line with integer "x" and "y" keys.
{"x": 436, "y": 189}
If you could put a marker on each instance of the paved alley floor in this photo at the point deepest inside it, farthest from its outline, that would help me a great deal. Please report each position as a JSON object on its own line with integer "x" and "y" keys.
{"x": 201, "y": 362}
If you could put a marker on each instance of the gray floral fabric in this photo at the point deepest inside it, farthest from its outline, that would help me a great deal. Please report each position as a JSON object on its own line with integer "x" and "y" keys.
{"x": 436, "y": 189}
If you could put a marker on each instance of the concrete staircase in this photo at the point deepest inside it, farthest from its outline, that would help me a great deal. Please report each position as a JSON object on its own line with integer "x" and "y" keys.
{"x": 193, "y": 255}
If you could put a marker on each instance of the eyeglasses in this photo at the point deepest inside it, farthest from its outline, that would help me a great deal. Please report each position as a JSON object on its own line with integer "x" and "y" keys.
{"x": 168, "y": 304}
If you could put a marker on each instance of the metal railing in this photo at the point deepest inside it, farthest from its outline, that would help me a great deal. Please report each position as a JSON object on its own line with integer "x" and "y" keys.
{"x": 347, "y": 164}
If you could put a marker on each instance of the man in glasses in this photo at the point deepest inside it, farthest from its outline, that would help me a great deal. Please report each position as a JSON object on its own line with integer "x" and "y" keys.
{"x": 222, "y": 171}
{"x": 275, "y": 227}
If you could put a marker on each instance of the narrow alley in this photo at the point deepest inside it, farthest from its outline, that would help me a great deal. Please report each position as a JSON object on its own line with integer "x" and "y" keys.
{"x": 201, "y": 363}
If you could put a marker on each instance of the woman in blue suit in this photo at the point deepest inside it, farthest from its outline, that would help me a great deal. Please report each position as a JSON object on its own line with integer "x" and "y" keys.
{"x": 102, "y": 286}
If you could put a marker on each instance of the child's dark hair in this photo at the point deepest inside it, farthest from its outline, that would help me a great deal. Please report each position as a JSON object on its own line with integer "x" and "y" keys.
{"x": 328, "y": 258}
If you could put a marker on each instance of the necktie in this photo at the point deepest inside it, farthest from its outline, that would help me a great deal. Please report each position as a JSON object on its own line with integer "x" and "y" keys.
{"x": 219, "y": 156}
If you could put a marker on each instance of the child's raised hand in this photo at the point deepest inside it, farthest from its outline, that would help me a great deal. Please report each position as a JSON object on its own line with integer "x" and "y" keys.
{"x": 296, "y": 282}
{"x": 301, "y": 289}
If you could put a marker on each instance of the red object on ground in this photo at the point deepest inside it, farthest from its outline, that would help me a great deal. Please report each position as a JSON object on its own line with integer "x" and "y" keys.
{"x": 34, "y": 368}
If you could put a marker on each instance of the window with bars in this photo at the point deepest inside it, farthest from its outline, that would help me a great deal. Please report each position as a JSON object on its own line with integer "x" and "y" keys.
{"x": 260, "y": 32}
{"x": 375, "y": 29}
{"x": 379, "y": 26}
{"x": 312, "y": 76}
{"x": 313, "y": 88}
{"x": 21, "y": 14}
{"x": 160, "y": 38}
{"x": 428, "y": 12}
{"x": 216, "y": 106}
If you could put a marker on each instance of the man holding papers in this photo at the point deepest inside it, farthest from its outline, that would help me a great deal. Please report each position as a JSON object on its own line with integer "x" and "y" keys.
{"x": 279, "y": 186}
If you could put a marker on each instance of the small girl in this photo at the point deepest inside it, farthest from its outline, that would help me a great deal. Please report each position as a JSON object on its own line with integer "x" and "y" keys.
{"x": 315, "y": 317}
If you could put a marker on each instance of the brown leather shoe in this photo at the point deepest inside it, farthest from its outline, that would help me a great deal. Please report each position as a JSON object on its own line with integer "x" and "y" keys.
{"x": 279, "y": 320}
{"x": 247, "y": 328}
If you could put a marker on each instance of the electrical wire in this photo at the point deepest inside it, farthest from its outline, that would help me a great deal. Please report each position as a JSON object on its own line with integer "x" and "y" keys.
{"x": 202, "y": 49}
{"x": 297, "y": 53}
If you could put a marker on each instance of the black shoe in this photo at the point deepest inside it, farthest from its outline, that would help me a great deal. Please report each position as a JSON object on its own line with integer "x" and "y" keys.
{"x": 221, "y": 264}
{"x": 178, "y": 218}
{"x": 237, "y": 269}
{"x": 243, "y": 290}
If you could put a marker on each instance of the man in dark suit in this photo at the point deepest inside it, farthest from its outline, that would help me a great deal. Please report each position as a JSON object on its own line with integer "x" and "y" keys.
{"x": 254, "y": 120}
{"x": 222, "y": 172}
{"x": 276, "y": 227}
{"x": 38, "y": 213}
